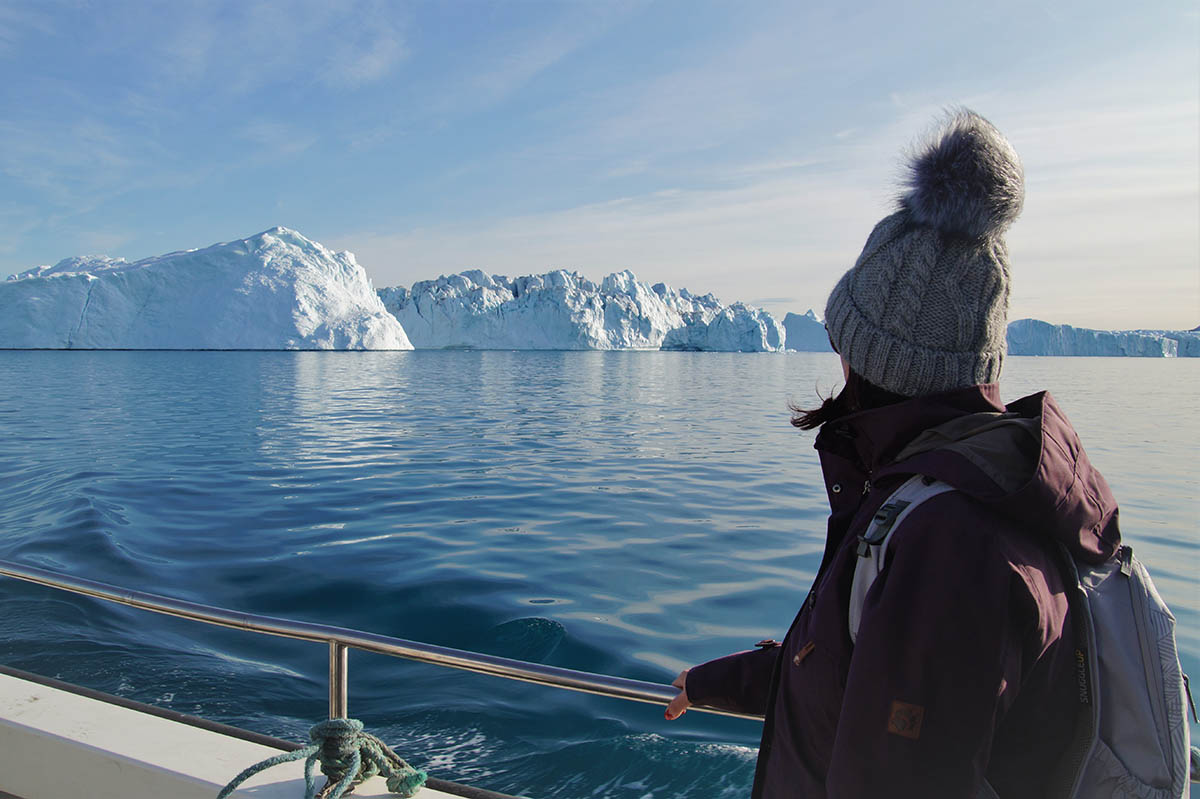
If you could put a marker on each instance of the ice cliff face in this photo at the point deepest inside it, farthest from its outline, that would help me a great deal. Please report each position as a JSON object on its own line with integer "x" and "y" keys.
{"x": 564, "y": 310}
{"x": 1188, "y": 342}
{"x": 1034, "y": 337}
{"x": 735, "y": 328}
{"x": 806, "y": 333}
{"x": 276, "y": 290}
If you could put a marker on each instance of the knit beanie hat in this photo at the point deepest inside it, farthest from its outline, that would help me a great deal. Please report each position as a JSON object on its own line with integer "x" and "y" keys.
{"x": 924, "y": 309}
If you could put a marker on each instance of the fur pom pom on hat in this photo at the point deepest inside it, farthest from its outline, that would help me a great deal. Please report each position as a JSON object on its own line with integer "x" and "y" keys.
{"x": 925, "y": 307}
{"x": 967, "y": 181}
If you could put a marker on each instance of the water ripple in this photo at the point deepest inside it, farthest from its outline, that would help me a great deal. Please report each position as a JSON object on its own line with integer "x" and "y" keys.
{"x": 625, "y": 513}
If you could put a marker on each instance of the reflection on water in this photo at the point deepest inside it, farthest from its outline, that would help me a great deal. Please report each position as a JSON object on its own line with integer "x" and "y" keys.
{"x": 625, "y": 513}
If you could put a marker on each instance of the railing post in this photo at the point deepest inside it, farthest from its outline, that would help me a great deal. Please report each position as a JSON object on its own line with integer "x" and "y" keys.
{"x": 338, "y": 671}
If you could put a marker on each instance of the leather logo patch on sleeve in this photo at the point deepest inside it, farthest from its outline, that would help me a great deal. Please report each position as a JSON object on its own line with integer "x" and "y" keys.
{"x": 905, "y": 720}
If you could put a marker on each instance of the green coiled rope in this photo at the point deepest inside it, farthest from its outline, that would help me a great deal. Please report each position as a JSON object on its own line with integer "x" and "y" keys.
{"x": 347, "y": 756}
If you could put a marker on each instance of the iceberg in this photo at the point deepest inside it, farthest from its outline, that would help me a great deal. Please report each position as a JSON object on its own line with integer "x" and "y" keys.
{"x": 806, "y": 332}
{"x": 1187, "y": 342}
{"x": 563, "y": 310}
{"x": 1035, "y": 337}
{"x": 274, "y": 291}
{"x": 735, "y": 328}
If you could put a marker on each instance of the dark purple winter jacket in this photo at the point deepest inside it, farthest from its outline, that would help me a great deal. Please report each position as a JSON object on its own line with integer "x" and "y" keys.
{"x": 964, "y": 667}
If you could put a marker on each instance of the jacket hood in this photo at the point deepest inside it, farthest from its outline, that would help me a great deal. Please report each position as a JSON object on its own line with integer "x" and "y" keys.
{"x": 1028, "y": 464}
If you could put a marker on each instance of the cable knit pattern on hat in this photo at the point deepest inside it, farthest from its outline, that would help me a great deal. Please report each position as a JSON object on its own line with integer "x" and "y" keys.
{"x": 924, "y": 309}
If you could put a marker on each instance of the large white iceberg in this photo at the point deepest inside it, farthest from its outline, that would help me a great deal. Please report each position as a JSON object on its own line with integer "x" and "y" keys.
{"x": 1035, "y": 337}
{"x": 563, "y": 310}
{"x": 274, "y": 291}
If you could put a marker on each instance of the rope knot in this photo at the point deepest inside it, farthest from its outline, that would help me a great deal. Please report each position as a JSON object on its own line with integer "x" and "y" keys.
{"x": 348, "y": 756}
{"x": 339, "y": 743}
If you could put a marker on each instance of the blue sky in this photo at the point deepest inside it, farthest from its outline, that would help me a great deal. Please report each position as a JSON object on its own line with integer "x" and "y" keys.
{"x": 740, "y": 148}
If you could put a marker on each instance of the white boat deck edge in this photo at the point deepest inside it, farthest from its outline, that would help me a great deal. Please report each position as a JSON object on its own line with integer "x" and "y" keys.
{"x": 59, "y": 745}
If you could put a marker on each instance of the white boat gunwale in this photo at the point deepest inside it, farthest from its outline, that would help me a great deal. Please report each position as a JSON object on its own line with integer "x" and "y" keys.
{"x": 215, "y": 727}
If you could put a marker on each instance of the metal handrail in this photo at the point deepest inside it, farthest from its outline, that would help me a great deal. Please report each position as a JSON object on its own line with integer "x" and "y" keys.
{"x": 342, "y": 639}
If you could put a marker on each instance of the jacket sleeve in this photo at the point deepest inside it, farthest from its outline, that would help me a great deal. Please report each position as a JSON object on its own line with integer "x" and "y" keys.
{"x": 936, "y": 664}
{"x": 737, "y": 682}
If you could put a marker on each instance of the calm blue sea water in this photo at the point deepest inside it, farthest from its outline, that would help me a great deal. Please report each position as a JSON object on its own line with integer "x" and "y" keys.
{"x": 625, "y": 513}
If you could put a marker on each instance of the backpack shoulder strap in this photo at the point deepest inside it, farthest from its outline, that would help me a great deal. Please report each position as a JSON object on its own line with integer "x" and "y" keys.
{"x": 873, "y": 543}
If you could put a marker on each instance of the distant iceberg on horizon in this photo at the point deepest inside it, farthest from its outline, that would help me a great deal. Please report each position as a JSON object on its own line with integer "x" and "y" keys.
{"x": 276, "y": 290}
{"x": 806, "y": 333}
{"x": 1035, "y": 337}
{"x": 561, "y": 310}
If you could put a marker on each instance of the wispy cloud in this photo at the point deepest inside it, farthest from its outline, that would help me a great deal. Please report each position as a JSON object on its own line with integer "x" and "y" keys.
{"x": 768, "y": 167}
{"x": 1110, "y": 234}
{"x": 360, "y": 139}
{"x": 150, "y": 75}
{"x": 624, "y": 169}
{"x": 509, "y": 61}
{"x": 64, "y": 162}
{"x": 240, "y": 48}
{"x": 16, "y": 221}
{"x": 796, "y": 232}
{"x": 278, "y": 138}
{"x": 747, "y": 152}
{"x": 103, "y": 242}
{"x": 517, "y": 62}
{"x": 705, "y": 106}
{"x": 369, "y": 45}
{"x": 1108, "y": 237}
{"x": 673, "y": 112}
{"x": 18, "y": 20}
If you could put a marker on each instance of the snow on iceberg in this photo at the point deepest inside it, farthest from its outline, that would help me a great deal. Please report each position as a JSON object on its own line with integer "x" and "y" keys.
{"x": 1035, "y": 337}
{"x": 563, "y": 310}
{"x": 735, "y": 328}
{"x": 274, "y": 291}
{"x": 806, "y": 332}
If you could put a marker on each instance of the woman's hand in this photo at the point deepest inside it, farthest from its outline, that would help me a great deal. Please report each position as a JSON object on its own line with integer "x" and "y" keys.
{"x": 680, "y": 703}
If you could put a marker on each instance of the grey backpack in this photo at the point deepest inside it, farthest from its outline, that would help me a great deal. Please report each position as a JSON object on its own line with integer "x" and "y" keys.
{"x": 1133, "y": 736}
